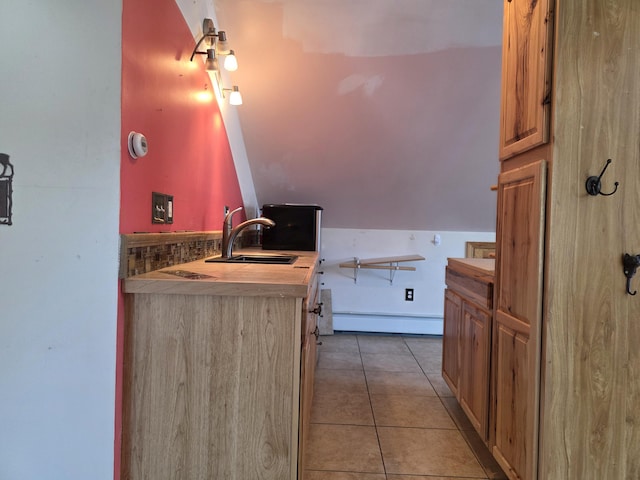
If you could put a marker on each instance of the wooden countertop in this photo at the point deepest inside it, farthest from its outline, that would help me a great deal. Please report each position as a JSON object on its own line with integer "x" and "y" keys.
{"x": 232, "y": 279}
{"x": 477, "y": 267}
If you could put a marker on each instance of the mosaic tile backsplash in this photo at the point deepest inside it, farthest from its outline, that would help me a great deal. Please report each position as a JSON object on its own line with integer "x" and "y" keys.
{"x": 146, "y": 252}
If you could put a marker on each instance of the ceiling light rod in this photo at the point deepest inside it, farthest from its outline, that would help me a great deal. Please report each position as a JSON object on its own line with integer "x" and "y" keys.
{"x": 216, "y": 40}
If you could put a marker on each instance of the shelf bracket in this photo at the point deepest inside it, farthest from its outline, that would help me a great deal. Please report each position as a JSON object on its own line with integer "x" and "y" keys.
{"x": 356, "y": 267}
{"x": 387, "y": 263}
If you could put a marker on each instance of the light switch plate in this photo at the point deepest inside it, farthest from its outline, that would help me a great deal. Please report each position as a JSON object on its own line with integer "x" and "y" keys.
{"x": 161, "y": 208}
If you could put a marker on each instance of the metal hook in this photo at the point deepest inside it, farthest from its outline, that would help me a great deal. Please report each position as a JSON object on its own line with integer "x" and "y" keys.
{"x": 630, "y": 264}
{"x": 594, "y": 184}
{"x": 629, "y": 287}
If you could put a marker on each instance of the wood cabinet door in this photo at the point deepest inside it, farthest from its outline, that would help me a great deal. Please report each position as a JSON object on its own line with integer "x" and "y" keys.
{"x": 518, "y": 318}
{"x": 475, "y": 340}
{"x": 526, "y": 75}
{"x": 450, "y": 340}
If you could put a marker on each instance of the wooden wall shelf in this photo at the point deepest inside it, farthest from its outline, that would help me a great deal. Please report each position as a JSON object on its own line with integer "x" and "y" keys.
{"x": 384, "y": 263}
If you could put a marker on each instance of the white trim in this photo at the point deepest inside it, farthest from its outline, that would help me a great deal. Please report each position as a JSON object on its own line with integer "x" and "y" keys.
{"x": 387, "y": 323}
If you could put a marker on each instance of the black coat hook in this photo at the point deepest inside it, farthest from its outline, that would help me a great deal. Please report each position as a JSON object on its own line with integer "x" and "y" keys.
{"x": 594, "y": 185}
{"x": 630, "y": 264}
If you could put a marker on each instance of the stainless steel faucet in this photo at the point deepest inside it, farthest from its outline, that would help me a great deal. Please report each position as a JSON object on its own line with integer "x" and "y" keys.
{"x": 227, "y": 226}
{"x": 229, "y": 233}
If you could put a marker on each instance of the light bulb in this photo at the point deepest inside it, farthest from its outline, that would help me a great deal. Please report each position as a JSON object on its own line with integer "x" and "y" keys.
{"x": 231, "y": 62}
{"x": 235, "y": 98}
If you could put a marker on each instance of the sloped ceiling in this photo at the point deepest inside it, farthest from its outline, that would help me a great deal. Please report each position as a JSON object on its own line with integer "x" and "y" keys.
{"x": 384, "y": 112}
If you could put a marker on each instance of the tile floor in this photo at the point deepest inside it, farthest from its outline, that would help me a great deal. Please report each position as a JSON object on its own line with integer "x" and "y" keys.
{"x": 381, "y": 411}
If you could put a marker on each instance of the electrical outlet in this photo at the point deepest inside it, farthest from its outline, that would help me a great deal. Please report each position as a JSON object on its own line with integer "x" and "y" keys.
{"x": 408, "y": 294}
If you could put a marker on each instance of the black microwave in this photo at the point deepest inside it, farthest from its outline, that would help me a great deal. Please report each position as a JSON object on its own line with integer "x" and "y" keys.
{"x": 297, "y": 227}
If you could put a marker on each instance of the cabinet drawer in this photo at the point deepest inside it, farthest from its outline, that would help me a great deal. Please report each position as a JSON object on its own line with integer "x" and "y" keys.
{"x": 477, "y": 289}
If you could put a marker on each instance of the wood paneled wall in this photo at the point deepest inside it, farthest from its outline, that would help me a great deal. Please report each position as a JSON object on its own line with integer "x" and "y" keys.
{"x": 591, "y": 370}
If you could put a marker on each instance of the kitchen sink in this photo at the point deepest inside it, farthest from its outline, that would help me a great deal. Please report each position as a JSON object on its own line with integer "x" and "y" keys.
{"x": 264, "y": 259}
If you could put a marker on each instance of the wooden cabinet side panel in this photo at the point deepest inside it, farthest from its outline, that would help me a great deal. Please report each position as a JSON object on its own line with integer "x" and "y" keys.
{"x": 526, "y": 75}
{"x": 307, "y": 375}
{"x": 591, "y": 415}
{"x": 311, "y": 302}
{"x": 209, "y": 388}
{"x": 451, "y": 339}
{"x": 309, "y": 353}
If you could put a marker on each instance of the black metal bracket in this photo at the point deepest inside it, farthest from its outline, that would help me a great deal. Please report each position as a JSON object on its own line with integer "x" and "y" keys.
{"x": 317, "y": 310}
{"x": 594, "y": 184}
{"x": 630, "y": 264}
{"x": 6, "y": 189}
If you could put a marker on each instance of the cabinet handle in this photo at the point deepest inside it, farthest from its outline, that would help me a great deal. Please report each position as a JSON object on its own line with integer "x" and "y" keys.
{"x": 317, "y": 310}
{"x": 316, "y": 332}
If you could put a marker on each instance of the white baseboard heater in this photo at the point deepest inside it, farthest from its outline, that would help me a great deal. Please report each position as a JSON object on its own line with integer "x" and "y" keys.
{"x": 377, "y": 322}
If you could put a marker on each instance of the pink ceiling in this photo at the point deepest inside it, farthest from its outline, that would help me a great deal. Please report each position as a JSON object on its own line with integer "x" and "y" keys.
{"x": 387, "y": 117}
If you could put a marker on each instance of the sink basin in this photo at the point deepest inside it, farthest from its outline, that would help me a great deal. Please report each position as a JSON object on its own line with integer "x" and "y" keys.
{"x": 264, "y": 259}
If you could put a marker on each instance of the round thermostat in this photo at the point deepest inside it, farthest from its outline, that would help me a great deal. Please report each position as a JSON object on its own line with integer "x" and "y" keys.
{"x": 138, "y": 146}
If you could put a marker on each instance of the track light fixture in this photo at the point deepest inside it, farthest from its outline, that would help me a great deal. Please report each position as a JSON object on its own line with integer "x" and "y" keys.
{"x": 216, "y": 43}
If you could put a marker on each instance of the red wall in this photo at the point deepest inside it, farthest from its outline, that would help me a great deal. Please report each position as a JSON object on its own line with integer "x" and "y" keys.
{"x": 172, "y": 102}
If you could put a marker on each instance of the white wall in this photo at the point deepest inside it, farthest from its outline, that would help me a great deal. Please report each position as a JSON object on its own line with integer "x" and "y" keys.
{"x": 375, "y": 304}
{"x": 60, "y": 124}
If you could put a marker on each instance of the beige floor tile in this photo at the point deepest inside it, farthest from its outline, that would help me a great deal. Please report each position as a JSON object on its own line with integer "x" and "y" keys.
{"x": 339, "y": 343}
{"x": 341, "y": 381}
{"x": 381, "y": 344}
{"x": 431, "y": 362}
{"x": 343, "y": 448}
{"x": 449, "y": 449}
{"x": 399, "y": 383}
{"x": 410, "y": 411}
{"x": 439, "y": 385}
{"x": 342, "y": 409}
{"x": 316, "y": 475}
{"x": 339, "y": 360}
{"x": 390, "y": 362}
{"x": 419, "y": 345}
{"x": 417, "y": 451}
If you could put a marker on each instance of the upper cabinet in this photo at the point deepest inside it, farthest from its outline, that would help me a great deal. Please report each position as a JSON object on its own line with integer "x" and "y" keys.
{"x": 526, "y": 75}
